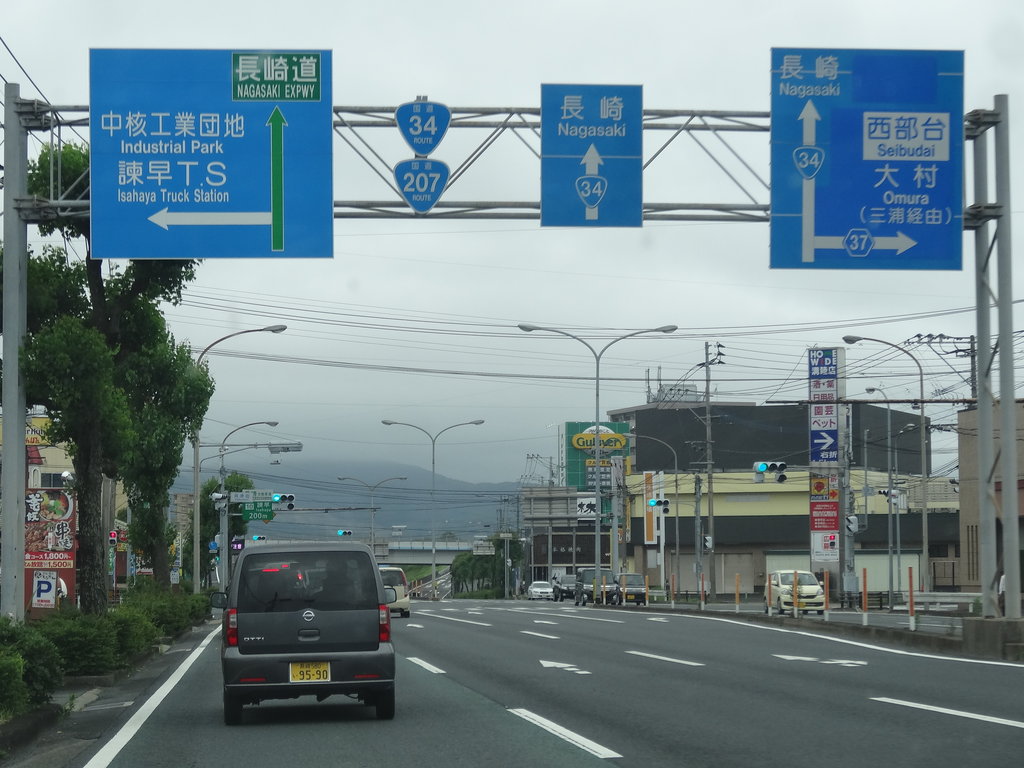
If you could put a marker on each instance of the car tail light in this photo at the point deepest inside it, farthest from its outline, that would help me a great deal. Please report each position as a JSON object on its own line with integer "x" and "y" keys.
{"x": 385, "y": 624}
{"x": 231, "y": 627}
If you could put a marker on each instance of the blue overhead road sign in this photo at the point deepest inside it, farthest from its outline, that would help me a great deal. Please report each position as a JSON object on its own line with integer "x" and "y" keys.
{"x": 203, "y": 154}
{"x": 591, "y": 156}
{"x": 867, "y": 159}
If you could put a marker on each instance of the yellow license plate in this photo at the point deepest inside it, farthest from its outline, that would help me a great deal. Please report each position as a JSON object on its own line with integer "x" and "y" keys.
{"x": 309, "y": 671}
{"x": 801, "y": 604}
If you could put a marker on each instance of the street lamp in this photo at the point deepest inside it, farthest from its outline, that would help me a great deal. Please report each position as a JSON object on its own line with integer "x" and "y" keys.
{"x": 373, "y": 511}
{"x": 924, "y": 452}
{"x": 528, "y": 328}
{"x": 225, "y": 526}
{"x": 888, "y": 465}
{"x": 433, "y": 483}
{"x": 195, "y": 455}
{"x": 675, "y": 479}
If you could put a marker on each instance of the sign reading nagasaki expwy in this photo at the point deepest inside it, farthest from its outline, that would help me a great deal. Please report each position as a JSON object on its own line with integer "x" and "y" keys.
{"x": 203, "y": 154}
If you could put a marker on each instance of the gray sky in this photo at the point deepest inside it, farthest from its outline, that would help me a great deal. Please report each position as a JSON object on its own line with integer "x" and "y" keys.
{"x": 415, "y": 321}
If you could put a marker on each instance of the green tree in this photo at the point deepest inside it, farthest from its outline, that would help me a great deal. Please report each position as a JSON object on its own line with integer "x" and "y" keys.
{"x": 99, "y": 357}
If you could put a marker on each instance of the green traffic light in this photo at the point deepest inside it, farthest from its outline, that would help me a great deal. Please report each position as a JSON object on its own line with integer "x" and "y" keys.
{"x": 761, "y": 466}
{"x": 652, "y": 502}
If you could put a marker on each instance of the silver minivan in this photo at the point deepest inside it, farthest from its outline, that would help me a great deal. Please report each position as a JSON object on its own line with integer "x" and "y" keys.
{"x": 306, "y": 620}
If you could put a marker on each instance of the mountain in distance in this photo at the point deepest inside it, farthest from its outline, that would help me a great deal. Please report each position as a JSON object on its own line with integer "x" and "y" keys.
{"x": 405, "y": 509}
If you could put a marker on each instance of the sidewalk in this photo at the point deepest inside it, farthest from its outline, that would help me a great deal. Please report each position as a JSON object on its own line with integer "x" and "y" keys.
{"x": 83, "y": 709}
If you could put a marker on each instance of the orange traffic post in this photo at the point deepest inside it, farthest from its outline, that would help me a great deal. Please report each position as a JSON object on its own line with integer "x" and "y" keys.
{"x": 864, "y": 596}
{"x": 795, "y": 595}
{"x": 737, "y": 593}
{"x": 826, "y": 594}
{"x": 910, "y": 600}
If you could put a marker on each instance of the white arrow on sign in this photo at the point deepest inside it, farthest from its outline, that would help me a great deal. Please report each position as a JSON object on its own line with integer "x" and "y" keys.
{"x": 165, "y": 218}
{"x": 824, "y": 442}
{"x": 592, "y": 161}
{"x": 809, "y": 117}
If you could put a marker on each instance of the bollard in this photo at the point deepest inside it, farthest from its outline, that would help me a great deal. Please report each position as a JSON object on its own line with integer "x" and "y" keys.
{"x": 910, "y": 602}
{"x": 737, "y": 593}
{"x": 826, "y": 595}
{"x": 864, "y": 597}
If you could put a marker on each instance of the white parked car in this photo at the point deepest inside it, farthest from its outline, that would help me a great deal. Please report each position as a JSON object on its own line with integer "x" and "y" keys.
{"x": 540, "y": 590}
{"x": 778, "y": 596}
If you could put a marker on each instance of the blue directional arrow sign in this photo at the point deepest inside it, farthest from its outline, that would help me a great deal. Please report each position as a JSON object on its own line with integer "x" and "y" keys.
{"x": 867, "y": 159}
{"x": 423, "y": 124}
{"x": 591, "y": 156}
{"x": 210, "y": 153}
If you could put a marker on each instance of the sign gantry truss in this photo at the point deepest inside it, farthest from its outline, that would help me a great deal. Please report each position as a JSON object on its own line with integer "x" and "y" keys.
{"x": 707, "y": 130}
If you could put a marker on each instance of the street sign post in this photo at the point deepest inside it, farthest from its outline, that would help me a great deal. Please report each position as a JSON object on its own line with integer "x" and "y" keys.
{"x": 210, "y": 153}
{"x": 591, "y": 156}
{"x": 867, "y": 159}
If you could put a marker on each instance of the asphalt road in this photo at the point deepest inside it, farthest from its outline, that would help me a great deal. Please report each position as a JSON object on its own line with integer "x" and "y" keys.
{"x": 544, "y": 684}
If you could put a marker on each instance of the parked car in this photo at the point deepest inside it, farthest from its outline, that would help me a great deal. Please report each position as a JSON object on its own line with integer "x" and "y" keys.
{"x": 564, "y": 586}
{"x": 778, "y": 594}
{"x": 540, "y": 590}
{"x": 393, "y": 576}
{"x": 607, "y": 587}
{"x": 306, "y": 620}
{"x": 632, "y": 589}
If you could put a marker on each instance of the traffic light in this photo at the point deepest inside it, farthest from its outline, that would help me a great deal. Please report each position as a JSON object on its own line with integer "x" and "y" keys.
{"x": 777, "y": 468}
{"x": 113, "y": 538}
{"x": 853, "y": 523}
{"x": 659, "y": 505}
{"x": 708, "y": 543}
{"x": 343, "y": 532}
{"x": 283, "y": 500}
{"x": 257, "y": 537}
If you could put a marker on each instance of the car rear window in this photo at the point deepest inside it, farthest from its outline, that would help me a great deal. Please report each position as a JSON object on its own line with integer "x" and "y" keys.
{"x": 393, "y": 577}
{"x": 298, "y": 580}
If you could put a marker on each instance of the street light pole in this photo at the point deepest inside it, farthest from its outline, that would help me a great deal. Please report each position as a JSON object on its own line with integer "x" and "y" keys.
{"x": 927, "y": 575}
{"x": 433, "y": 485}
{"x": 528, "y": 328}
{"x": 888, "y": 464}
{"x": 195, "y": 456}
{"x": 225, "y": 526}
{"x": 373, "y": 511}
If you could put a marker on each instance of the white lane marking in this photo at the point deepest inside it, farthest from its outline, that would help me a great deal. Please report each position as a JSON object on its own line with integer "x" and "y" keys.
{"x": 565, "y": 614}
{"x": 416, "y": 626}
{"x": 452, "y": 618}
{"x": 111, "y": 749}
{"x": 541, "y": 621}
{"x": 784, "y": 657}
{"x": 665, "y": 658}
{"x": 538, "y": 634}
{"x": 855, "y": 643}
{"x": 954, "y": 712}
{"x": 563, "y": 665}
{"x": 564, "y": 733}
{"x": 660, "y": 619}
{"x": 426, "y": 665}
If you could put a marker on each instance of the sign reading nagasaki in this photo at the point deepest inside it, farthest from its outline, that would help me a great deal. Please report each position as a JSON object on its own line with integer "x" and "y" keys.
{"x": 206, "y": 153}
{"x": 591, "y": 155}
{"x": 867, "y": 159}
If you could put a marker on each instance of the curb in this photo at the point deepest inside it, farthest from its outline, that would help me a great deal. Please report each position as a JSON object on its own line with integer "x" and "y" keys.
{"x": 21, "y": 730}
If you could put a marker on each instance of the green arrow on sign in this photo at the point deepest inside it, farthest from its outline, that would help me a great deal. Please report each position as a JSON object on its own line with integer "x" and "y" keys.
{"x": 277, "y": 124}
